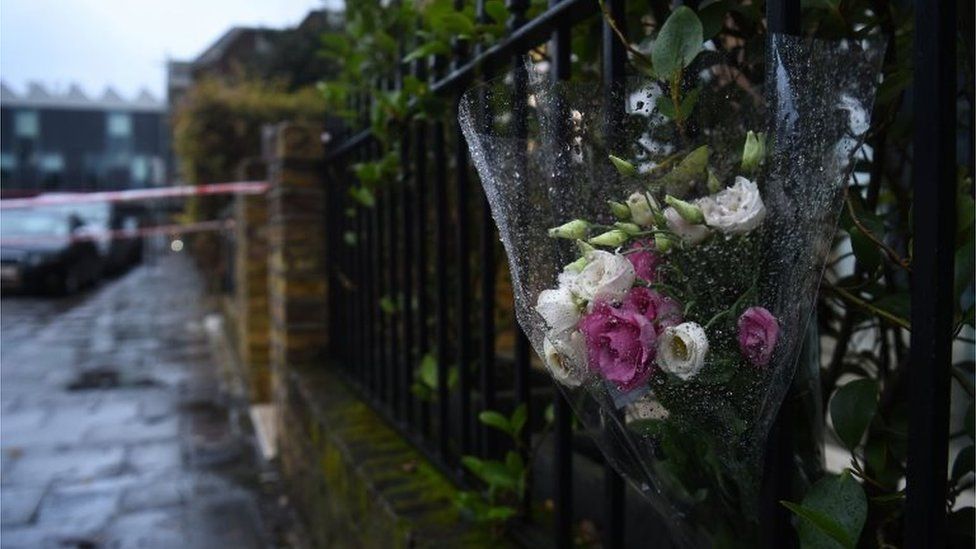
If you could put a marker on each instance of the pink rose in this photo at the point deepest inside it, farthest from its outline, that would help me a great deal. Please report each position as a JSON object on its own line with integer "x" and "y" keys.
{"x": 645, "y": 261}
{"x": 662, "y": 311}
{"x": 620, "y": 344}
{"x": 758, "y": 331}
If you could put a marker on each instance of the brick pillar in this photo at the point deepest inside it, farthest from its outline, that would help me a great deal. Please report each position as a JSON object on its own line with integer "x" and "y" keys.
{"x": 253, "y": 313}
{"x": 297, "y": 282}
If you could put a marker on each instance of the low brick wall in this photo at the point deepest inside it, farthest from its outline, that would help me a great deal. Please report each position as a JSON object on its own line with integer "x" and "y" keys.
{"x": 356, "y": 482}
{"x": 353, "y": 479}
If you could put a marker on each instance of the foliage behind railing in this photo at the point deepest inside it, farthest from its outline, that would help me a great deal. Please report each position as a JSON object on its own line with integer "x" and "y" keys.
{"x": 863, "y": 311}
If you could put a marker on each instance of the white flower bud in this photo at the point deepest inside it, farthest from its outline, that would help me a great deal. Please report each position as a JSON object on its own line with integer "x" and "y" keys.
{"x": 574, "y": 230}
{"x": 691, "y": 213}
{"x": 620, "y": 211}
{"x": 628, "y": 228}
{"x": 754, "y": 151}
{"x": 642, "y": 208}
{"x": 610, "y": 239}
{"x": 681, "y": 350}
{"x": 624, "y": 167}
{"x": 688, "y": 233}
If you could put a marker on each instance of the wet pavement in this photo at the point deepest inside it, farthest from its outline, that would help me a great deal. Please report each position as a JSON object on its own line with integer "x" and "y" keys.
{"x": 116, "y": 430}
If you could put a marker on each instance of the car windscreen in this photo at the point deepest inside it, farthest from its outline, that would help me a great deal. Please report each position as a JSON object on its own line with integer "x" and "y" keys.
{"x": 32, "y": 223}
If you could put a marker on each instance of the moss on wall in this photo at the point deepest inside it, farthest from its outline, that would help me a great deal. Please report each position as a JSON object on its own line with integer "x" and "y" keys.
{"x": 357, "y": 482}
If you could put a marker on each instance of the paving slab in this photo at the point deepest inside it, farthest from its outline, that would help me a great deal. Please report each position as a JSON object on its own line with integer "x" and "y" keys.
{"x": 115, "y": 428}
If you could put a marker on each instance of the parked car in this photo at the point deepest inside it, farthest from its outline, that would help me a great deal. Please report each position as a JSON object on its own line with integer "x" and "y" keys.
{"x": 125, "y": 248}
{"x": 46, "y": 250}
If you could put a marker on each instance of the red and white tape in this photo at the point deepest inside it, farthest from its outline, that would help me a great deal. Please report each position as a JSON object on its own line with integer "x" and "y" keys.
{"x": 173, "y": 230}
{"x": 132, "y": 195}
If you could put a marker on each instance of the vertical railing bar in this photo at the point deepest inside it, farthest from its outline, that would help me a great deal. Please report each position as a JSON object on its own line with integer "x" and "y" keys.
{"x": 934, "y": 221}
{"x": 360, "y": 286}
{"x": 390, "y": 195}
{"x": 517, "y": 9}
{"x": 486, "y": 251}
{"x": 409, "y": 260}
{"x": 614, "y": 78}
{"x": 463, "y": 243}
{"x": 367, "y": 288}
{"x": 420, "y": 235}
{"x": 561, "y": 69}
{"x": 440, "y": 211}
{"x": 378, "y": 283}
{"x": 775, "y": 529}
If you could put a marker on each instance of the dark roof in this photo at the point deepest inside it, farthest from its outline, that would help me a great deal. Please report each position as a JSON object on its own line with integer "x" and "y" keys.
{"x": 39, "y": 97}
{"x": 218, "y": 49}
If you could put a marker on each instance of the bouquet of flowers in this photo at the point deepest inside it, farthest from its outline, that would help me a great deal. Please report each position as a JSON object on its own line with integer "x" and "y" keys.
{"x": 665, "y": 264}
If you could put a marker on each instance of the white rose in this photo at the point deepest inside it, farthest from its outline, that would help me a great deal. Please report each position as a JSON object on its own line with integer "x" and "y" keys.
{"x": 640, "y": 209}
{"x": 558, "y": 308}
{"x": 607, "y": 277}
{"x": 691, "y": 234}
{"x": 736, "y": 210}
{"x": 565, "y": 357}
{"x": 681, "y": 350}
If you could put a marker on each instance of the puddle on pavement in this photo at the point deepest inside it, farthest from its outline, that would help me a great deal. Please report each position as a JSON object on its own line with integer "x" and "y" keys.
{"x": 108, "y": 378}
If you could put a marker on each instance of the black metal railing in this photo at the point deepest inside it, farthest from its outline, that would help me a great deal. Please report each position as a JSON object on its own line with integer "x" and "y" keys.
{"x": 429, "y": 250}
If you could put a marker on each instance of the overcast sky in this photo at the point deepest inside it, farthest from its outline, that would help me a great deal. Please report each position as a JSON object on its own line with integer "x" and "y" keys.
{"x": 122, "y": 43}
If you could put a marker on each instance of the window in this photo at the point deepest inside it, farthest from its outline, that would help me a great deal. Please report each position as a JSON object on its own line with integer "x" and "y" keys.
{"x": 51, "y": 162}
{"x": 8, "y": 161}
{"x": 25, "y": 124}
{"x": 119, "y": 124}
{"x": 139, "y": 169}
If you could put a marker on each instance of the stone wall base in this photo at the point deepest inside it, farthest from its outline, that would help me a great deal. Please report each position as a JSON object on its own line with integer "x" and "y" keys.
{"x": 355, "y": 480}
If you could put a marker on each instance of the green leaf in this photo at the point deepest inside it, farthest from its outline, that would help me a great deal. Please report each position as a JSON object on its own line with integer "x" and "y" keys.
{"x": 852, "y": 408}
{"x": 496, "y": 10}
{"x": 688, "y": 103}
{"x": 822, "y": 522}
{"x": 455, "y": 23}
{"x": 388, "y": 305}
{"x": 876, "y": 455}
{"x": 335, "y": 44}
{"x": 549, "y": 414}
{"x": 349, "y": 238}
{"x": 899, "y": 304}
{"x": 499, "y": 513}
{"x": 866, "y": 251}
{"x": 363, "y": 195}
{"x": 665, "y": 106}
{"x": 492, "y": 418}
{"x": 678, "y": 43}
{"x": 515, "y": 462}
{"x": 833, "y": 513}
{"x": 436, "y": 47}
{"x": 692, "y": 168}
{"x": 428, "y": 371}
{"x": 519, "y": 416}
{"x": 494, "y": 473}
{"x": 712, "y": 17}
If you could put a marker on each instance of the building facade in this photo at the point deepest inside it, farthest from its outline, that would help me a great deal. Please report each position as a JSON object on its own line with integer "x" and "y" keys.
{"x": 69, "y": 142}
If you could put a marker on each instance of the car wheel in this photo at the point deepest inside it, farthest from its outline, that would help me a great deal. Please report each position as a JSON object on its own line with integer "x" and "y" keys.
{"x": 70, "y": 282}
